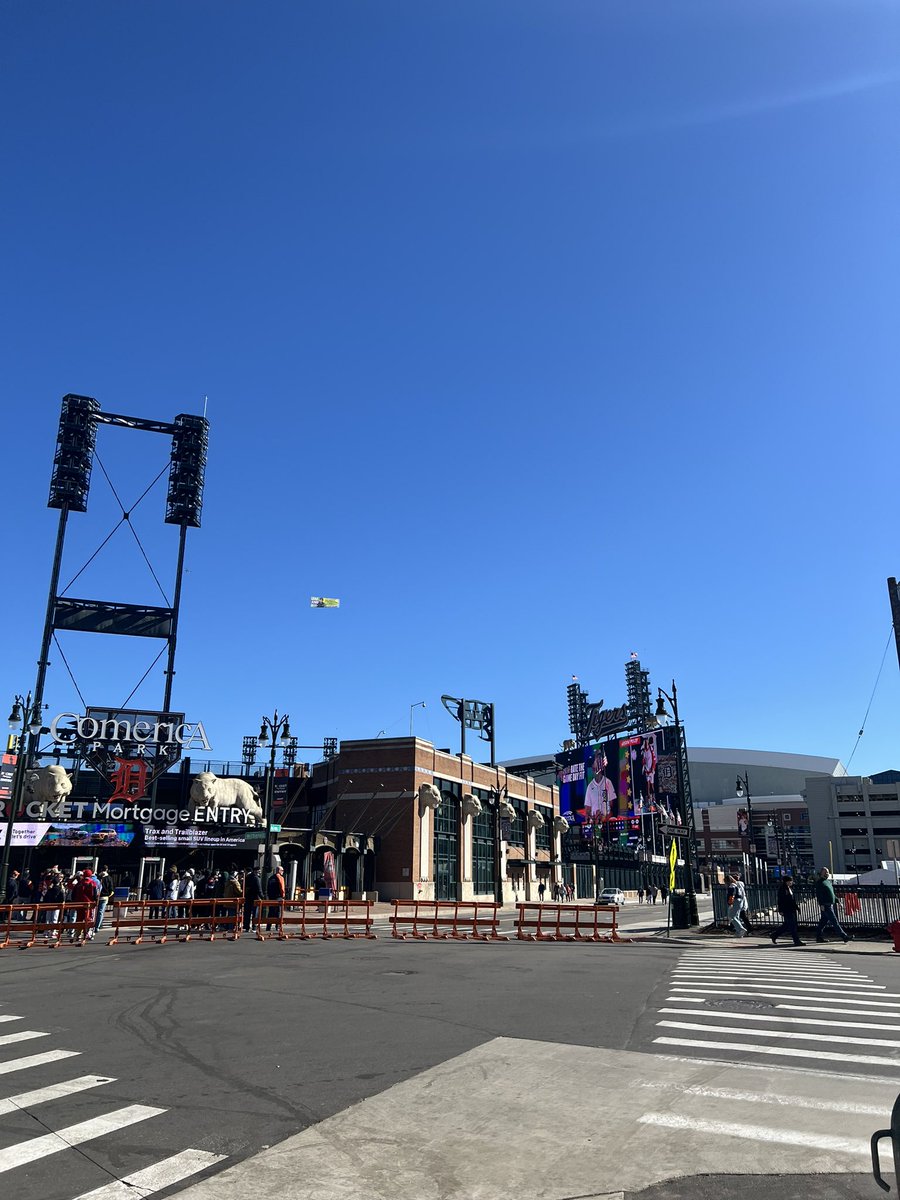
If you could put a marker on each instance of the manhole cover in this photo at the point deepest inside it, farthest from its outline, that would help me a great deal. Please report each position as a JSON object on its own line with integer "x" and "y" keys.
{"x": 750, "y": 1005}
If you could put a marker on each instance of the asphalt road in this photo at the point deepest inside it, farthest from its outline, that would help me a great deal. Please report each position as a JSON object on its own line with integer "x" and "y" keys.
{"x": 243, "y": 1045}
{"x": 246, "y": 1043}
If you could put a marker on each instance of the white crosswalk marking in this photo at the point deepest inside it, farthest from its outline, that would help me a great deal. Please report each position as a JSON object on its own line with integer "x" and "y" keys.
{"x": 24, "y": 1035}
{"x": 758, "y": 1133}
{"x": 158, "y": 1176}
{"x": 56, "y": 1091}
{"x": 765, "y": 1004}
{"x": 36, "y": 1060}
{"x": 74, "y": 1135}
{"x": 153, "y": 1179}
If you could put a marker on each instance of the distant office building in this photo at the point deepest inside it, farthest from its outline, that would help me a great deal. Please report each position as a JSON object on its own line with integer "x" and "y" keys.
{"x": 855, "y": 820}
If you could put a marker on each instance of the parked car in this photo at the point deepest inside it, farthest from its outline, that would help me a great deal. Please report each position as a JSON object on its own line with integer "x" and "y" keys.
{"x": 611, "y": 896}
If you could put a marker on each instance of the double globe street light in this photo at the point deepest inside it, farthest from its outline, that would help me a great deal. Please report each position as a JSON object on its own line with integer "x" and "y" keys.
{"x": 24, "y": 714}
{"x": 278, "y": 730}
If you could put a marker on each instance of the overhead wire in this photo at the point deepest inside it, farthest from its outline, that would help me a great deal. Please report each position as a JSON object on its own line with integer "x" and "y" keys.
{"x": 862, "y": 728}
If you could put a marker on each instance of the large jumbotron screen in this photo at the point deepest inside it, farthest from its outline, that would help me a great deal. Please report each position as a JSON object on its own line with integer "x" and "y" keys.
{"x": 620, "y": 780}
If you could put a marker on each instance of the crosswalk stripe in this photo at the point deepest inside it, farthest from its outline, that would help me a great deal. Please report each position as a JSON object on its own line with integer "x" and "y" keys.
{"x": 8, "y": 1017}
{"x": 705, "y": 1012}
{"x": 879, "y": 1003}
{"x": 797, "y": 964}
{"x": 718, "y": 1093}
{"x": 787, "y": 961}
{"x": 36, "y": 1060}
{"x": 875, "y": 1060}
{"x": 24, "y": 1035}
{"x": 696, "y": 1027}
{"x": 788, "y": 987}
{"x": 757, "y": 1133}
{"x": 153, "y": 1179}
{"x": 55, "y": 1092}
{"x": 770, "y": 977}
{"x": 74, "y": 1135}
{"x": 853, "y": 1012}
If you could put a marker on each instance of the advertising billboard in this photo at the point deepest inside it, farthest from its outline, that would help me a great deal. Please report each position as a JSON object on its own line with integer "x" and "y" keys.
{"x": 44, "y": 833}
{"x": 192, "y": 837}
{"x": 620, "y": 780}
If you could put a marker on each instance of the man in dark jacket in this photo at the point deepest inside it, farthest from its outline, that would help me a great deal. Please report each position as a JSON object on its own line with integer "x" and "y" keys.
{"x": 787, "y": 906}
{"x": 274, "y": 891}
{"x": 252, "y": 895}
{"x": 827, "y": 901}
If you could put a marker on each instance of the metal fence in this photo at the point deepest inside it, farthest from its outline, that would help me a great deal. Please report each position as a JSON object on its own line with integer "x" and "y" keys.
{"x": 864, "y": 909}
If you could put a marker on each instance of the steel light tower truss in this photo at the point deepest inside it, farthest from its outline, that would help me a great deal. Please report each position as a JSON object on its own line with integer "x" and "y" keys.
{"x": 69, "y": 489}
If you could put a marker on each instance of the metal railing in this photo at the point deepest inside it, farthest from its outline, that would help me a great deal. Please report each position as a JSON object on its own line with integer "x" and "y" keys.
{"x": 864, "y": 909}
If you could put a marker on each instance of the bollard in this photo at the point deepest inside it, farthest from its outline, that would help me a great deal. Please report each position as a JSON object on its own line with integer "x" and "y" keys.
{"x": 894, "y": 1134}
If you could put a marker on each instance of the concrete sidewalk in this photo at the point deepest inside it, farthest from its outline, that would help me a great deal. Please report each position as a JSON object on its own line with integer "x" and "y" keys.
{"x": 755, "y": 941}
{"x": 547, "y": 1121}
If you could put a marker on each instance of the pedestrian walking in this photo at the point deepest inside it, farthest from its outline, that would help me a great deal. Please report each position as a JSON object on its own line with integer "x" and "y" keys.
{"x": 185, "y": 894}
{"x": 788, "y": 907}
{"x": 274, "y": 891}
{"x": 640, "y": 895}
{"x": 737, "y": 899}
{"x": 51, "y": 891}
{"x": 156, "y": 891}
{"x": 85, "y": 890}
{"x": 654, "y": 892}
{"x": 570, "y": 891}
{"x": 107, "y": 891}
{"x": 827, "y": 902}
{"x": 253, "y": 893}
{"x": 542, "y": 888}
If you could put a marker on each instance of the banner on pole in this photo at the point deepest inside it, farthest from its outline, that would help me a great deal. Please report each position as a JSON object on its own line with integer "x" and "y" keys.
{"x": 323, "y": 602}
{"x": 673, "y": 857}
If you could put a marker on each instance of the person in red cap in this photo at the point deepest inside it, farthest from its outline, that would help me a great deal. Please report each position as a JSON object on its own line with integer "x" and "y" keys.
{"x": 87, "y": 891}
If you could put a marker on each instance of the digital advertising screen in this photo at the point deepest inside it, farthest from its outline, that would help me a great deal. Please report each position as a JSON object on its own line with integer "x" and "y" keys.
{"x": 89, "y": 834}
{"x": 620, "y": 780}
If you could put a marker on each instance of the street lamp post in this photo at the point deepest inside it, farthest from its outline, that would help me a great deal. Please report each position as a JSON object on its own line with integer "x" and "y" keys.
{"x": 280, "y": 730}
{"x": 684, "y": 799}
{"x": 412, "y": 708}
{"x": 499, "y": 797}
{"x": 742, "y": 788}
{"x": 24, "y": 722}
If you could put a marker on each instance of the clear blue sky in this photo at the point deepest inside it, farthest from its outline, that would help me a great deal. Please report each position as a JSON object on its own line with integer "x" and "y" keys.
{"x": 537, "y": 332}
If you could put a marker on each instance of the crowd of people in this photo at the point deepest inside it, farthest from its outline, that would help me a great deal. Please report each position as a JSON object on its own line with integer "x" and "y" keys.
{"x": 62, "y": 891}
{"x": 243, "y": 888}
{"x": 58, "y": 892}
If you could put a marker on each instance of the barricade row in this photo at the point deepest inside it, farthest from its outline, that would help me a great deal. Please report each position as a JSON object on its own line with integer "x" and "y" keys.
{"x": 182, "y": 920}
{"x": 567, "y": 923}
{"x": 52, "y": 925}
{"x": 285, "y": 920}
{"x": 460, "y": 920}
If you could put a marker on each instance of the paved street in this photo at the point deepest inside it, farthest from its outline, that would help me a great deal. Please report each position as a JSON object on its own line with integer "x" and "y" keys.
{"x": 417, "y": 1070}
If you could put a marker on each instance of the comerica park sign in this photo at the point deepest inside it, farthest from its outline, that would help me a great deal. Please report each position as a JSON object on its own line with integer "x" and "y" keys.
{"x": 99, "y": 728}
{"x": 129, "y": 748}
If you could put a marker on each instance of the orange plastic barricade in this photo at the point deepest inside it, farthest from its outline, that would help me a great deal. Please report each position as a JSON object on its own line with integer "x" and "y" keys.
{"x": 460, "y": 920}
{"x": 50, "y": 925}
{"x": 179, "y": 919}
{"x": 567, "y": 923}
{"x": 317, "y": 919}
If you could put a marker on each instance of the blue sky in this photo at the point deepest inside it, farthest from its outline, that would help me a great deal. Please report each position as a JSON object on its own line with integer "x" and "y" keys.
{"x": 537, "y": 332}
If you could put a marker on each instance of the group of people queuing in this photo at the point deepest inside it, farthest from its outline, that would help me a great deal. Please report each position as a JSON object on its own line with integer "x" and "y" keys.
{"x": 789, "y": 908}
{"x": 171, "y": 894}
{"x": 559, "y": 891}
{"x": 652, "y": 893}
{"x": 61, "y": 891}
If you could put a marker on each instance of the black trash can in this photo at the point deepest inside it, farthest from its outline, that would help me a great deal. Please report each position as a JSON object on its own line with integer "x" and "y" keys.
{"x": 678, "y": 905}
